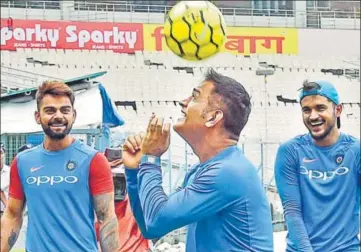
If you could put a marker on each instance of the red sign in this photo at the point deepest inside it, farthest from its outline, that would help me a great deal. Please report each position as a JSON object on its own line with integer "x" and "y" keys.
{"x": 119, "y": 37}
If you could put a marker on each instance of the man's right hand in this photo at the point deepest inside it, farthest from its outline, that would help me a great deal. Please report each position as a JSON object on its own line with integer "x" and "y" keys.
{"x": 132, "y": 152}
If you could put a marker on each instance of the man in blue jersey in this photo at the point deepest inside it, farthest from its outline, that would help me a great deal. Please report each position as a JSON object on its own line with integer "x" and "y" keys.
{"x": 318, "y": 177}
{"x": 222, "y": 200}
{"x": 63, "y": 183}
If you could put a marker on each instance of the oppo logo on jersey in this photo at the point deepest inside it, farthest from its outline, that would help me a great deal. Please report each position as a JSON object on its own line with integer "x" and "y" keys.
{"x": 52, "y": 180}
{"x": 313, "y": 174}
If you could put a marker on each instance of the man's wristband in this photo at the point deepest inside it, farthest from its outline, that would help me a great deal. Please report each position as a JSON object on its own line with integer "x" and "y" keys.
{"x": 150, "y": 159}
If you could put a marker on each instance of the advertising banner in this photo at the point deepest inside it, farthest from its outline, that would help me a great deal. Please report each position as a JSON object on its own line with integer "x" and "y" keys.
{"x": 120, "y": 37}
{"x": 240, "y": 40}
{"x": 130, "y": 37}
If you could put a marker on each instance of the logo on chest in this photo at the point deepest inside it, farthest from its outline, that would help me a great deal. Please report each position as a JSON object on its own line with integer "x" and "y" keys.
{"x": 70, "y": 165}
{"x": 51, "y": 180}
{"x": 339, "y": 159}
{"x": 34, "y": 169}
{"x": 324, "y": 175}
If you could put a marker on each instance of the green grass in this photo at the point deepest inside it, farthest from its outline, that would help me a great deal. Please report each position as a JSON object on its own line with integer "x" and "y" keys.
{"x": 17, "y": 250}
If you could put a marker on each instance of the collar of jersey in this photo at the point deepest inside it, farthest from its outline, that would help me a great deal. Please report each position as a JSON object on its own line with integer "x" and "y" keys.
{"x": 220, "y": 155}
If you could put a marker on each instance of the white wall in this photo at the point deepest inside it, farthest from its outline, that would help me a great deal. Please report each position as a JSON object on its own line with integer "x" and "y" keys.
{"x": 341, "y": 23}
{"x": 329, "y": 42}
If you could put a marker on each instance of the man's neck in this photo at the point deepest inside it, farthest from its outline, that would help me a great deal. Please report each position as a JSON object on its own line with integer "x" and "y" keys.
{"x": 56, "y": 145}
{"x": 211, "y": 146}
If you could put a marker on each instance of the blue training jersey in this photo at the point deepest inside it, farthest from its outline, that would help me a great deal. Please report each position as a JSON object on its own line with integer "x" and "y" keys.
{"x": 320, "y": 192}
{"x": 222, "y": 202}
{"x": 59, "y": 203}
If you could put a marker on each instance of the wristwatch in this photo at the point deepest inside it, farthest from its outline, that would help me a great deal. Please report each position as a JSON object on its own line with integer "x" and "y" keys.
{"x": 150, "y": 159}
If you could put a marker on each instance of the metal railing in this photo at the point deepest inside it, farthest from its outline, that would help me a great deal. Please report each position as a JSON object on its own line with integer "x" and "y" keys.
{"x": 32, "y": 4}
{"x": 13, "y": 141}
{"x": 128, "y": 12}
{"x": 13, "y": 79}
{"x": 124, "y": 6}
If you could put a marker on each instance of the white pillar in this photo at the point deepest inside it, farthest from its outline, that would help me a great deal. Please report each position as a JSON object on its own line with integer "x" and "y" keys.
{"x": 300, "y": 8}
{"x": 66, "y": 8}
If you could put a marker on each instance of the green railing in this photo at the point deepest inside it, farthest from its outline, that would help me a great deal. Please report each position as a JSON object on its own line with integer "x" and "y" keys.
{"x": 13, "y": 141}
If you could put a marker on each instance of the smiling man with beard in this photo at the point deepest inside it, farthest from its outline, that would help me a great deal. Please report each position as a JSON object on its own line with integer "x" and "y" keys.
{"x": 221, "y": 201}
{"x": 318, "y": 177}
{"x": 63, "y": 182}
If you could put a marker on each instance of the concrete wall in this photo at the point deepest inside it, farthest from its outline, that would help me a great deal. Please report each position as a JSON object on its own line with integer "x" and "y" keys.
{"x": 329, "y": 42}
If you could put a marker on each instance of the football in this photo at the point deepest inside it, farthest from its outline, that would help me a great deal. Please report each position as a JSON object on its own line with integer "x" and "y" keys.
{"x": 195, "y": 30}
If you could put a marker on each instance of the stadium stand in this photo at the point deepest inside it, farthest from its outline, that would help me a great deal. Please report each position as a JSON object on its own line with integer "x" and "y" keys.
{"x": 140, "y": 84}
{"x": 142, "y": 81}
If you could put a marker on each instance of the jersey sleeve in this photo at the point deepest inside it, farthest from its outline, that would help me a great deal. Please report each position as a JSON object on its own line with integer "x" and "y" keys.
{"x": 286, "y": 177}
{"x": 100, "y": 175}
{"x": 15, "y": 187}
{"x": 131, "y": 176}
{"x": 205, "y": 196}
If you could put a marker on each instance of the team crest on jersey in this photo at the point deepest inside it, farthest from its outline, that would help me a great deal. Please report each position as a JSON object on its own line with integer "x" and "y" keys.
{"x": 339, "y": 159}
{"x": 71, "y": 165}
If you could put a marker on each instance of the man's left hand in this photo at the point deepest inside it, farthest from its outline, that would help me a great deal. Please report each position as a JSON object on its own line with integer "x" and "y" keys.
{"x": 157, "y": 138}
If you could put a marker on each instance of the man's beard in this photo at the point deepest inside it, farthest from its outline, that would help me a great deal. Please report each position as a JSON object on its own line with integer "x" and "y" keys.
{"x": 324, "y": 135}
{"x": 57, "y": 135}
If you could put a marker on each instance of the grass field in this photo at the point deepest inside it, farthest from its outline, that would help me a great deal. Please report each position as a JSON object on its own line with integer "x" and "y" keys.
{"x": 17, "y": 250}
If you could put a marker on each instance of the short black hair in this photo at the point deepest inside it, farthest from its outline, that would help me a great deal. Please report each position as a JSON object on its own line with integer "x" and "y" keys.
{"x": 236, "y": 99}
{"x": 55, "y": 88}
{"x": 309, "y": 85}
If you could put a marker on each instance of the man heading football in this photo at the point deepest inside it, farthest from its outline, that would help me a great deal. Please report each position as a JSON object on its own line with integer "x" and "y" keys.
{"x": 222, "y": 200}
{"x": 318, "y": 177}
{"x": 63, "y": 182}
